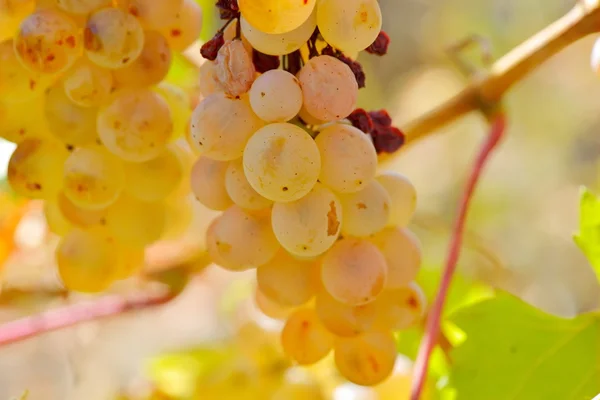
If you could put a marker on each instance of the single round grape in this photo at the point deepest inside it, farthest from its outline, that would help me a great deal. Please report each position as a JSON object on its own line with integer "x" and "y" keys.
{"x": 22, "y": 121}
{"x": 276, "y": 96}
{"x": 150, "y": 67}
{"x": 207, "y": 180}
{"x": 367, "y": 211}
{"x": 238, "y": 241}
{"x": 288, "y": 281}
{"x": 282, "y": 162}
{"x": 179, "y": 104}
{"x": 276, "y": 16}
{"x": 82, "y": 6}
{"x": 86, "y": 261}
{"x": 234, "y": 68}
{"x": 240, "y": 191}
{"x": 152, "y": 13}
{"x": 87, "y": 84}
{"x": 342, "y": 319}
{"x": 81, "y": 217}
{"x": 403, "y": 197}
{"x": 185, "y": 28}
{"x": 35, "y": 169}
{"x": 68, "y": 122}
{"x": 349, "y": 25}
{"x": 279, "y": 44}
{"x": 56, "y": 221}
{"x": 305, "y": 340}
{"x": 402, "y": 252}
{"x": 349, "y": 159}
{"x": 221, "y": 126}
{"x": 130, "y": 260}
{"x": 310, "y": 225}
{"x": 329, "y": 88}
{"x": 354, "y": 271}
{"x": 93, "y": 178}
{"x": 367, "y": 359}
{"x": 136, "y": 125}
{"x": 135, "y": 223}
{"x": 112, "y": 38}
{"x": 207, "y": 79}
{"x": 17, "y": 83}
{"x": 155, "y": 179}
{"x": 48, "y": 41}
{"x": 400, "y": 308}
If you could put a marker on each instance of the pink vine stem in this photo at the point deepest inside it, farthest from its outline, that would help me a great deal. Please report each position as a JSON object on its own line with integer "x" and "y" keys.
{"x": 432, "y": 329}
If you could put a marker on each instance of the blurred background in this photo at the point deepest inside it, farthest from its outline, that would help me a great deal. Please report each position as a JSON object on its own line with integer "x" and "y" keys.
{"x": 519, "y": 234}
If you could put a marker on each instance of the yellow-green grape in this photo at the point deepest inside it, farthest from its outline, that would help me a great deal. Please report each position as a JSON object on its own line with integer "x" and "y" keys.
{"x": 288, "y": 281}
{"x": 17, "y": 83}
{"x": 329, "y": 88}
{"x": 403, "y": 197}
{"x": 22, "y": 121}
{"x": 12, "y": 13}
{"x": 279, "y": 44}
{"x": 112, "y": 38}
{"x": 276, "y": 16}
{"x": 342, "y": 319}
{"x": 207, "y": 180}
{"x": 87, "y": 84}
{"x": 282, "y": 162}
{"x": 56, "y": 221}
{"x": 240, "y": 191}
{"x": 185, "y": 28}
{"x": 400, "y": 308}
{"x": 367, "y": 359}
{"x": 349, "y": 25}
{"x": 81, "y": 217}
{"x": 310, "y": 225}
{"x": 299, "y": 391}
{"x": 93, "y": 178}
{"x": 155, "y": 179}
{"x": 269, "y": 307}
{"x": 130, "y": 261}
{"x": 354, "y": 271}
{"x": 70, "y": 123}
{"x": 367, "y": 211}
{"x": 86, "y": 261}
{"x": 82, "y": 6}
{"x": 221, "y": 126}
{"x": 208, "y": 82}
{"x": 152, "y": 13}
{"x": 48, "y": 41}
{"x": 235, "y": 69}
{"x": 179, "y": 104}
{"x": 276, "y": 96}
{"x": 134, "y": 222}
{"x": 402, "y": 252}
{"x": 304, "y": 338}
{"x": 237, "y": 240}
{"x": 136, "y": 125}
{"x": 35, "y": 169}
{"x": 348, "y": 157}
{"x": 150, "y": 67}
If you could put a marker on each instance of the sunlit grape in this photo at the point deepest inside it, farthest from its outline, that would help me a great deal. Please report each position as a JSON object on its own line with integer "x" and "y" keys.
{"x": 88, "y": 85}
{"x": 403, "y": 197}
{"x": 342, "y": 319}
{"x": 81, "y": 217}
{"x": 179, "y": 104}
{"x": 366, "y": 211}
{"x": 240, "y": 191}
{"x": 185, "y": 28}
{"x": 269, "y": 307}
{"x": 134, "y": 222}
{"x": 57, "y": 222}
{"x": 402, "y": 251}
{"x": 22, "y": 121}
{"x": 82, "y": 6}
{"x": 152, "y": 13}
{"x": 309, "y": 119}
{"x": 276, "y": 96}
{"x": 276, "y": 16}
{"x": 207, "y": 180}
{"x": 304, "y": 338}
{"x": 400, "y": 308}
{"x": 154, "y": 179}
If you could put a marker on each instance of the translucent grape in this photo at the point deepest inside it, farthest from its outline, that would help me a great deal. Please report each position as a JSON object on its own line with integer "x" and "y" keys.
{"x": 342, "y": 319}
{"x": 403, "y": 197}
{"x": 112, "y": 38}
{"x": 208, "y": 183}
{"x": 240, "y": 191}
{"x": 282, "y": 162}
{"x": 22, "y": 121}
{"x": 367, "y": 359}
{"x": 288, "y": 281}
{"x": 82, "y": 6}
{"x": 234, "y": 68}
{"x": 269, "y": 307}
{"x": 237, "y": 240}
{"x": 135, "y": 223}
{"x": 150, "y": 67}
{"x": 349, "y": 25}
{"x": 276, "y": 16}
{"x": 310, "y": 225}
{"x": 86, "y": 261}
{"x": 57, "y": 222}
{"x": 366, "y": 211}
{"x": 279, "y": 44}
{"x": 153, "y": 13}
{"x": 185, "y": 28}
{"x": 349, "y": 159}
{"x": 155, "y": 179}
{"x": 136, "y": 125}
{"x": 304, "y": 338}
{"x": 93, "y": 178}
{"x": 179, "y": 104}
{"x": 208, "y": 81}
{"x": 354, "y": 271}
{"x": 276, "y": 96}
{"x": 402, "y": 251}
{"x": 329, "y": 88}
{"x": 77, "y": 216}
{"x": 17, "y": 83}
{"x": 70, "y": 123}
{"x": 221, "y": 126}
{"x": 35, "y": 169}
{"x": 87, "y": 84}
{"x": 48, "y": 41}
{"x": 400, "y": 308}
{"x": 12, "y": 13}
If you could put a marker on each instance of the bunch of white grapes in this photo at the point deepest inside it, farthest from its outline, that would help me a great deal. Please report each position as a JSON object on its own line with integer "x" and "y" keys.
{"x": 99, "y": 134}
{"x": 302, "y": 200}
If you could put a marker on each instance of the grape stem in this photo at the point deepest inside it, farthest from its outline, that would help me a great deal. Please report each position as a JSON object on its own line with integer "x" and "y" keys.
{"x": 432, "y": 330}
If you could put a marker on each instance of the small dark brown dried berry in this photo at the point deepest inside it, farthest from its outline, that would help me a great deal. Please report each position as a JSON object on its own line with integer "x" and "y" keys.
{"x": 360, "y": 119}
{"x": 387, "y": 139}
{"x": 381, "y": 118}
{"x": 210, "y": 49}
{"x": 380, "y": 46}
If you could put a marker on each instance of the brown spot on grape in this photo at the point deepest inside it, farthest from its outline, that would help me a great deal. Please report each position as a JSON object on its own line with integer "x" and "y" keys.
{"x": 285, "y": 188}
{"x": 223, "y": 247}
{"x": 333, "y": 222}
{"x": 133, "y": 10}
{"x": 361, "y": 206}
{"x": 117, "y": 125}
{"x": 175, "y": 32}
{"x": 50, "y": 57}
{"x": 373, "y": 363}
{"x": 91, "y": 41}
{"x": 262, "y": 94}
{"x": 71, "y": 42}
{"x": 125, "y": 60}
{"x": 33, "y": 186}
{"x": 32, "y": 84}
{"x": 412, "y": 302}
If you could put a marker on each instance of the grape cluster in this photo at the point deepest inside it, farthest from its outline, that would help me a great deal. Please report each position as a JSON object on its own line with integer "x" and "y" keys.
{"x": 99, "y": 134}
{"x": 291, "y": 162}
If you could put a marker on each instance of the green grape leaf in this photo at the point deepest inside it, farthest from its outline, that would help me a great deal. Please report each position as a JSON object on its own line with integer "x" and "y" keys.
{"x": 588, "y": 237}
{"x": 514, "y": 351}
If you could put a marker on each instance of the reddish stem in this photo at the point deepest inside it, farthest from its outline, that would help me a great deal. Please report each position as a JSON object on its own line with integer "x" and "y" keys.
{"x": 24, "y": 328}
{"x": 433, "y": 323}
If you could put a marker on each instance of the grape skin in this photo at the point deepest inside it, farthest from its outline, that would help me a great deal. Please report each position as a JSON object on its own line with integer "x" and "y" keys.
{"x": 240, "y": 191}
{"x": 185, "y": 27}
{"x": 128, "y": 221}
{"x": 402, "y": 252}
{"x": 87, "y": 84}
{"x": 234, "y": 68}
{"x": 207, "y": 180}
{"x": 152, "y": 13}
{"x": 342, "y": 319}
{"x": 400, "y": 308}
{"x": 367, "y": 211}
{"x": 403, "y": 197}
{"x": 22, "y": 121}
{"x": 82, "y": 6}
{"x": 275, "y": 96}
{"x": 276, "y": 16}
{"x": 304, "y": 338}
{"x": 17, "y": 83}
